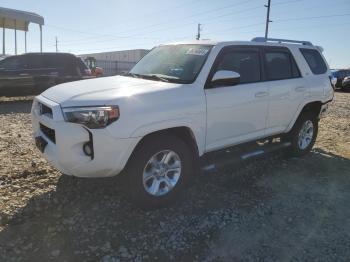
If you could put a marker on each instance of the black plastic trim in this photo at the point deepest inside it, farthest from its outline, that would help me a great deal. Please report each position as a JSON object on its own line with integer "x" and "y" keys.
{"x": 91, "y": 143}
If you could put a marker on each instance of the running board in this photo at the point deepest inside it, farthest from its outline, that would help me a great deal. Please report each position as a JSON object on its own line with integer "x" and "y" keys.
{"x": 230, "y": 156}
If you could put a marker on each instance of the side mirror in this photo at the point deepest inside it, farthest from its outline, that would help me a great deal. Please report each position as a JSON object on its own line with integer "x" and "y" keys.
{"x": 225, "y": 78}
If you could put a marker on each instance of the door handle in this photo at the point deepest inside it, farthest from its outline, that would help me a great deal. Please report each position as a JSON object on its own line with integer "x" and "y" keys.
{"x": 24, "y": 74}
{"x": 261, "y": 94}
{"x": 300, "y": 89}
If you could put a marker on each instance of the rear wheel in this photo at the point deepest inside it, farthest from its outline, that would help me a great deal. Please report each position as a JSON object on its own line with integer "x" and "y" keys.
{"x": 303, "y": 134}
{"x": 159, "y": 169}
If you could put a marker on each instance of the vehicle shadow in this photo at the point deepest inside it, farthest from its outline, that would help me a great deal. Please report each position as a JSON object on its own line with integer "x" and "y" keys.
{"x": 90, "y": 218}
{"x": 346, "y": 90}
{"x": 15, "y": 106}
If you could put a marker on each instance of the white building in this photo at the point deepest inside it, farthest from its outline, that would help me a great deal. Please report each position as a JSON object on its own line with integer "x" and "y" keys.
{"x": 125, "y": 55}
{"x": 117, "y": 62}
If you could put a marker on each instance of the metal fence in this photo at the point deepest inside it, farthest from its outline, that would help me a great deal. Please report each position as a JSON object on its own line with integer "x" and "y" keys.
{"x": 111, "y": 68}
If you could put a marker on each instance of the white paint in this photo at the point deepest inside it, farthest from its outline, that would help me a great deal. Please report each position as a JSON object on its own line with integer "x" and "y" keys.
{"x": 218, "y": 117}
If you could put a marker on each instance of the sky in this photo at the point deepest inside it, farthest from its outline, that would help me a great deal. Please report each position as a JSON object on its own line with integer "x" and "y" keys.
{"x": 96, "y": 26}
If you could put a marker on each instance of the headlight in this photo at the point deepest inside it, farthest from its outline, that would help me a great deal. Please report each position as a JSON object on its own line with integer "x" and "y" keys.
{"x": 91, "y": 117}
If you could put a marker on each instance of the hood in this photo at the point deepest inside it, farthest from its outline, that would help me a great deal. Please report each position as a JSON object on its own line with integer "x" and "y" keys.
{"x": 99, "y": 91}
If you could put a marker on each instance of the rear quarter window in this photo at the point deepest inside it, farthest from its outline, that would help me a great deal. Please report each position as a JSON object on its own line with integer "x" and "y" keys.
{"x": 13, "y": 63}
{"x": 314, "y": 60}
{"x": 81, "y": 64}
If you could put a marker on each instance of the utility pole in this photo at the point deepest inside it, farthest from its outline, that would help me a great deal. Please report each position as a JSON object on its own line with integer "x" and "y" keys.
{"x": 56, "y": 44}
{"x": 199, "y": 29}
{"x": 268, "y": 21}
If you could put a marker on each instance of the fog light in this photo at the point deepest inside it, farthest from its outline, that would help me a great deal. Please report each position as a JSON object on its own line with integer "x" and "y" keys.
{"x": 87, "y": 149}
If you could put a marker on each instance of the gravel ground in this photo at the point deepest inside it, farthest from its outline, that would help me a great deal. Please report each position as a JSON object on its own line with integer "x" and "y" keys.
{"x": 270, "y": 209}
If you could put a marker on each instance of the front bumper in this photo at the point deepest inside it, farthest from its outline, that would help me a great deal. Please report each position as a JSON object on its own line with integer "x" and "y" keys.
{"x": 64, "y": 149}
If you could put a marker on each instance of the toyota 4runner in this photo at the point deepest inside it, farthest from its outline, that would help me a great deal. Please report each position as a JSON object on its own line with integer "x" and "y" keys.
{"x": 177, "y": 105}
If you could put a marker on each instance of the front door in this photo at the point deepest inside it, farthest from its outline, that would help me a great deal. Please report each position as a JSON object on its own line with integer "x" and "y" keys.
{"x": 238, "y": 113}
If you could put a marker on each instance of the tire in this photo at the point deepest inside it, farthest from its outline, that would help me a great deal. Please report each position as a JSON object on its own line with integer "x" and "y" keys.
{"x": 146, "y": 173}
{"x": 345, "y": 89}
{"x": 300, "y": 146}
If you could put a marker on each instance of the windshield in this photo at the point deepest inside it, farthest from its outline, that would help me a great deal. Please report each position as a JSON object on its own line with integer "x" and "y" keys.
{"x": 172, "y": 63}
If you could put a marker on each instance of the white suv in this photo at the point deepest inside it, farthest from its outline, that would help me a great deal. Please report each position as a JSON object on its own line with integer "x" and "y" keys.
{"x": 178, "y": 104}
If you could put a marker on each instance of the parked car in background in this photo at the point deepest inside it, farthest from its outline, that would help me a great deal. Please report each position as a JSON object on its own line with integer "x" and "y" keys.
{"x": 340, "y": 74}
{"x": 33, "y": 73}
{"x": 182, "y": 102}
{"x": 346, "y": 83}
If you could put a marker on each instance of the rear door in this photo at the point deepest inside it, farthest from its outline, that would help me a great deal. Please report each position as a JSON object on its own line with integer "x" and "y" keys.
{"x": 286, "y": 87}
{"x": 14, "y": 77}
{"x": 70, "y": 68}
{"x": 44, "y": 71}
{"x": 237, "y": 114}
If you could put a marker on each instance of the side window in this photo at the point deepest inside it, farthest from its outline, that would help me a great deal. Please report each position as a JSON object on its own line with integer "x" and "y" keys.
{"x": 13, "y": 63}
{"x": 244, "y": 62}
{"x": 71, "y": 66}
{"x": 81, "y": 64}
{"x": 50, "y": 61}
{"x": 314, "y": 60}
{"x": 280, "y": 65}
{"x": 35, "y": 61}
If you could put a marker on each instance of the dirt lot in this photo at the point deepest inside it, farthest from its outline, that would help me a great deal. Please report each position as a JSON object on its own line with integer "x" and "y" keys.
{"x": 270, "y": 209}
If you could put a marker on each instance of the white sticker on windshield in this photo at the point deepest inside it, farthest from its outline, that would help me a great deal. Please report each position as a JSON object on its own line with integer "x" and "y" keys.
{"x": 197, "y": 51}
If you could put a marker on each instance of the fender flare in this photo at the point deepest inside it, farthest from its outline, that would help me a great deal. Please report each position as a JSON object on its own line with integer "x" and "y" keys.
{"x": 297, "y": 114}
{"x": 198, "y": 133}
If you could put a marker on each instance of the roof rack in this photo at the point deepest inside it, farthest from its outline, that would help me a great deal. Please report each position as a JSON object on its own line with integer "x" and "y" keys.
{"x": 263, "y": 39}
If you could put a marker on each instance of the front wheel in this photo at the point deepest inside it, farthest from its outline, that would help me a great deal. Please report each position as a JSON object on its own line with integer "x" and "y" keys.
{"x": 303, "y": 134}
{"x": 159, "y": 169}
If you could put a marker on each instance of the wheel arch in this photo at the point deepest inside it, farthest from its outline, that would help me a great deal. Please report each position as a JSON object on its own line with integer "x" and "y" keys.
{"x": 185, "y": 133}
{"x": 313, "y": 106}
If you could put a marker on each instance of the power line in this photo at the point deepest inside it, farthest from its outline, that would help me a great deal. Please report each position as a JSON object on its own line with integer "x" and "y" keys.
{"x": 212, "y": 18}
{"x": 126, "y": 19}
{"x": 190, "y": 16}
{"x": 96, "y": 35}
{"x": 257, "y": 24}
{"x": 164, "y": 10}
{"x": 114, "y": 48}
{"x": 233, "y": 13}
{"x": 287, "y": 2}
{"x": 311, "y": 17}
{"x": 238, "y": 27}
{"x": 300, "y": 27}
{"x": 152, "y": 25}
{"x": 90, "y": 33}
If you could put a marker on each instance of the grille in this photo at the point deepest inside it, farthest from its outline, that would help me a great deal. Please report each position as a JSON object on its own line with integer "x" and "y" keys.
{"x": 48, "y": 132}
{"x": 45, "y": 110}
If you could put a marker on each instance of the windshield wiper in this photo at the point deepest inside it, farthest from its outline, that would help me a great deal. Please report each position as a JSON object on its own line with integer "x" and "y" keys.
{"x": 132, "y": 75}
{"x": 155, "y": 77}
